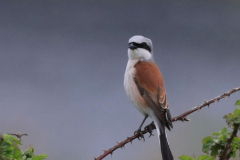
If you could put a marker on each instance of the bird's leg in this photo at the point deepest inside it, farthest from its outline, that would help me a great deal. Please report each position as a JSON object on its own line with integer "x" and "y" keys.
{"x": 150, "y": 128}
{"x": 139, "y": 129}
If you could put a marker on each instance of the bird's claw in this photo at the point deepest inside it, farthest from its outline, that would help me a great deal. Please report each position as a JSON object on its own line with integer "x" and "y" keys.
{"x": 141, "y": 136}
{"x": 149, "y": 128}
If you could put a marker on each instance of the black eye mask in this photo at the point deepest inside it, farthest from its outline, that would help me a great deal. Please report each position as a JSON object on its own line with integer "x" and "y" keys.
{"x": 141, "y": 45}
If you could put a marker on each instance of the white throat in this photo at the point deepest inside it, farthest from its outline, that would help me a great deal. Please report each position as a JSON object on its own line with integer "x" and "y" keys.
{"x": 139, "y": 53}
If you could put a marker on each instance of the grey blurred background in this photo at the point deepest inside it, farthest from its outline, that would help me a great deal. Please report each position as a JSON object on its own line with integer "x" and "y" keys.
{"x": 62, "y": 65}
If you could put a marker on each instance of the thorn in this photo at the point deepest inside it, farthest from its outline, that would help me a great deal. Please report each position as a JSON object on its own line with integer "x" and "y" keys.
{"x": 95, "y": 158}
{"x": 215, "y": 101}
{"x": 111, "y": 154}
{"x": 129, "y": 139}
{"x": 119, "y": 143}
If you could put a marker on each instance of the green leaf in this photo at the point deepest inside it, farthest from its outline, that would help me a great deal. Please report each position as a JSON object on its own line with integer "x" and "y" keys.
{"x": 237, "y": 103}
{"x": 29, "y": 153}
{"x": 224, "y": 130}
{"x": 216, "y": 139}
{"x": 10, "y": 148}
{"x": 7, "y": 138}
{"x": 24, "y": 157}
{"x": 228, "y": 135}
{"x": 216, "y": 133}
{"x": 42, "y": 156}
{"x": 186, "y": 158}
{"x": 206, "y": 147}
{"x": 17, "y": 155}
{"x": 203, "y": 157}
{"x": 223, "y": 137}
{"x": 237, "y": 111}
{"x": 214, "y": 150}
{"x": 207, "y": 142}
{"x": 210, "y": 158}
{"x": 234, "y": 147}
{"x": 232, "y": 154}
{"x": 235, "y": 140}
{"x": 4, "y": 144}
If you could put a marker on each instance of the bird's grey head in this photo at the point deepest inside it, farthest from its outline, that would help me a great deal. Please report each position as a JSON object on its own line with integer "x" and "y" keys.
{"x": 140, "y": 48}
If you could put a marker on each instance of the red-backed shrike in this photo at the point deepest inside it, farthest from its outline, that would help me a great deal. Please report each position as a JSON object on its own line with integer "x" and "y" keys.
{"x": 144, "y": 85}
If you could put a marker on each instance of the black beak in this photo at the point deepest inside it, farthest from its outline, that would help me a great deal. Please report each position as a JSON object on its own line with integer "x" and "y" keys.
{"x": 132, "y": 46}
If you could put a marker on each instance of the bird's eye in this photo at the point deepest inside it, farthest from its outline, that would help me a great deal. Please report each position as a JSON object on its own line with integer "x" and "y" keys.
{"x": 143, "y": 44}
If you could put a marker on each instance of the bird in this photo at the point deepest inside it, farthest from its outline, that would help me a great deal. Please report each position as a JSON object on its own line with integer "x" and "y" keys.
{"x": 144, "y": 86}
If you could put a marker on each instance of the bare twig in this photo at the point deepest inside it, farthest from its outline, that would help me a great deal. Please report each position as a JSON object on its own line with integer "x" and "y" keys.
{"x": 225, "y": 155}
{"x": 181, "y": 117}
{"x": 18, "y": 135}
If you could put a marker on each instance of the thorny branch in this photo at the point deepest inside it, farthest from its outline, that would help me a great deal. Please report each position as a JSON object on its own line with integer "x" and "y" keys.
{"x": 181, "y": 117}
{"x": 225, "y": 155}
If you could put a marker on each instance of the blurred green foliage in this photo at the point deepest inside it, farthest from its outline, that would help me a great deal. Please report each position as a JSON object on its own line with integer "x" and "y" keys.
{"x": 9, "y": 150}
{"x": 215, "y": 144}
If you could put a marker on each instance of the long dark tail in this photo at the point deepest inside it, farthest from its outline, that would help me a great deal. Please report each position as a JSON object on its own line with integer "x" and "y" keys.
{"x": 166, "y": 152}
{"x": 165, "y": 149}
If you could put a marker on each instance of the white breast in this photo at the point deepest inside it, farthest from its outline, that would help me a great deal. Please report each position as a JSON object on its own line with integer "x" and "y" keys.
{"x": 131, "y": 88}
